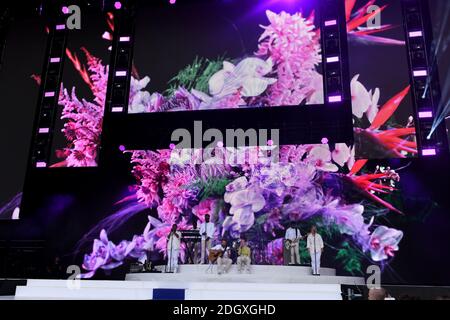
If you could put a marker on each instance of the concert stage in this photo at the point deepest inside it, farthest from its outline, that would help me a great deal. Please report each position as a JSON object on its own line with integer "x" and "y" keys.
{"x": 195, "y": 282}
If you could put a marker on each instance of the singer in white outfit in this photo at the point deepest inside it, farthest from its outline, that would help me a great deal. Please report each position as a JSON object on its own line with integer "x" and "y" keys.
{"x": 314, "y": 244}
{"x": 173, "y": 249}
{"x": 207, "y": 230}
{"x": 292, "y": 237}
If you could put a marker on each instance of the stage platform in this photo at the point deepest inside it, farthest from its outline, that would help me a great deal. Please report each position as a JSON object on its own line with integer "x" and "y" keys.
{"x": 193, "y": 282}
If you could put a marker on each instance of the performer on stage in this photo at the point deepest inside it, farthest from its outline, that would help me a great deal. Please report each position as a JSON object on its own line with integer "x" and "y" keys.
{"x": 244, "y": 260}
{"x": 207, "y": 232}
{"x": 293, "y": 237}
{"x": 223, "y": 261}
{"x": 173, "y": 249}
{"x": 314, "y": 243}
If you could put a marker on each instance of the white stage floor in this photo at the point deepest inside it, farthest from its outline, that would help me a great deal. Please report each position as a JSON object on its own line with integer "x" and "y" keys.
{"x": 264, "y": 283}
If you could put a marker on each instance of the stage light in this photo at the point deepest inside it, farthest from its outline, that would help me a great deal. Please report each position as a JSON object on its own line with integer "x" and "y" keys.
{"x": 118, "y": 5}
{"x": 55, "y": 60}
{"x": 121, "y": 73}
{"x": 220, "y": 144}
{"x": 324, "y": 140}
{"x": 124, "y": 39}
{"x": 429, "y": 152}
{"x": 116, "y": 109}
{"x": 415, "y": 34}
{"x": 41, "y": 164}
{"x": 172, "y": 1}
{"x": 330, "y": 23}
{"x": 44, "y": 130}
{"x": 60, "y": 26}
{"x": 65, "y": 10}
{"x": 332, "y": 59}
{"x": 122, "y": 148}
{"x": 172, "y": 146}
{"x": 49, "y": 94}
{"x": 334, "y": 99}
{"x": 425, "y": 114}
{"x": 420, "y": 73}
{"x": 270, "y": 142}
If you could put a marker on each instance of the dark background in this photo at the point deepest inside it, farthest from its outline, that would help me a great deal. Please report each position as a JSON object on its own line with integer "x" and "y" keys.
{"x": 23, "y": 56}
{"x": 70, "y": 201}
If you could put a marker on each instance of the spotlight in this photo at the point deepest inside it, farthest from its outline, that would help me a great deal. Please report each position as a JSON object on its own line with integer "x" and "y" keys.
{"x": 172, "y": 1}
{"x": 324, "y": 140}
{"x": 118, "y": 5}
{"x": 122, "y": 148}
{"x": 65, "y": 10}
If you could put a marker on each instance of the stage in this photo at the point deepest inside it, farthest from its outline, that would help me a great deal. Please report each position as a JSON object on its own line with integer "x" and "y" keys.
{"x": 193, "y": 282}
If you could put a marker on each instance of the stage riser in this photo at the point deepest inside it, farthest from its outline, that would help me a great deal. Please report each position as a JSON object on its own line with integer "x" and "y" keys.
{"x": 264, "y": 270}
{"x": 197, "y": 291}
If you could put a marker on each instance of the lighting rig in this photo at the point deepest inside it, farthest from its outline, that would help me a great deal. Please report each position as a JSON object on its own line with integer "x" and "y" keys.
{"x": 424, "y": 78}
{"x": 50, "y": 86}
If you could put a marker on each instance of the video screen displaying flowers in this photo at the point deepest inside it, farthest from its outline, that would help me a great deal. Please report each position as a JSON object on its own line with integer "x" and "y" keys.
{"x": 82, "y": 97}
{"x": 203, "y": 55}
{"x": 257, "y": 192}
{"x": 381, "y": 95}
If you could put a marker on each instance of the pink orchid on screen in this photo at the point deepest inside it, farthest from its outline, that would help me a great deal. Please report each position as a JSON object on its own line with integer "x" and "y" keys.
{"x": 383, "y": 242}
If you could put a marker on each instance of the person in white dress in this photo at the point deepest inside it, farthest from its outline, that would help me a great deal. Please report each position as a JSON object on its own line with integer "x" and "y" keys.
{"x": 314, "y": 244}
{"x": 173, "y": 249}
{"x": 207, "y": 230}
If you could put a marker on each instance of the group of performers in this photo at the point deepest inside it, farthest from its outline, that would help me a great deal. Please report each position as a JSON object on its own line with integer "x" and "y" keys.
{"x": 222, "y": 253}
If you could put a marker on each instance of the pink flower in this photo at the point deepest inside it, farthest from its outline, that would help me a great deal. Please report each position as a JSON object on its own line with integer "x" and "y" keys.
{"x": 383, "y": 242}
{"x": 203, "y": 208}
{"x": 293, "y": 46}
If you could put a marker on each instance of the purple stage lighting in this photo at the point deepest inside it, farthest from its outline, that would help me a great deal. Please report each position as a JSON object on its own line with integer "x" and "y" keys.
{"x": 41, "y": 164}
{"x": 55, "y": 60}
{"x": 336, "y": 98}
{"x": 425, "y": 114}
{"x": 124, "y": 39}
{"x": 324, "y": 140}
{"x": 429, "y": 152}
{"x": 420, "y": 73}
{"x": 65, "y": 10}
{"x": 44, "y": 130}
{"x": 49, "y": 94}
{"x": 117, "y": 5}
{"x": 117, "y": 109}
{"x": 330, "y": 23}
{"x": 60, "y": 26}
{"x": 172, "y": 1}
{"x": 121, "y": 73}
{"x": 415, "y": 34}
{"x": 332, "y": 59}
{"x": 122, "y": 148}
